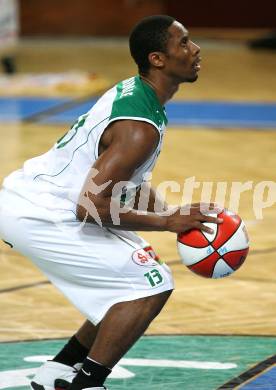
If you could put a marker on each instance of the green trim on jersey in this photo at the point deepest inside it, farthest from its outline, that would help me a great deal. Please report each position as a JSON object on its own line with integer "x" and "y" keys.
{"x": 65, "y": 143}
{"x": 136, "y": 99}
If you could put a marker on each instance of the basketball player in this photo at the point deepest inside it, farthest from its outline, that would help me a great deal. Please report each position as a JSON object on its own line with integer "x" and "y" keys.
{"x": 60, "y": 210}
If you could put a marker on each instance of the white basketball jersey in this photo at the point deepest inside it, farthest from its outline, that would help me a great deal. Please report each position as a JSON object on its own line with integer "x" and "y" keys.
{"x": 54, "y": 179}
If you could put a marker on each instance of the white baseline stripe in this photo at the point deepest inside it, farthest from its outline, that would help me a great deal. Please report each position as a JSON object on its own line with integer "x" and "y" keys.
{"x": 177, "y": 364}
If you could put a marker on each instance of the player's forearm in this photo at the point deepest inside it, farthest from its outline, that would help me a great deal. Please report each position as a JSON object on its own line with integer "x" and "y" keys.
{"x": 156, "y": 202}
{"x": 132, "y": 220}
{"x": 148, "y": 199}
{"x": 109, "y": 214}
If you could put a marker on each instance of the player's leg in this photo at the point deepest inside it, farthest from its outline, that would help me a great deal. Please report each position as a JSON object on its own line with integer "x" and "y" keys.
{"x": 93, "y": 267}
{"x": 86, "y": 334}
{"x": 121, "y": 327}
{"x": 65, "y": 365}
{"x": 130, "y": 320}
{"x": 79, "y": 345}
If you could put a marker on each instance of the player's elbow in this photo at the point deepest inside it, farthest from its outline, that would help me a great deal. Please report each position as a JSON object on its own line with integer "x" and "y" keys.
{"x": 81, "y": 213}
{"x": 94, "y": 211}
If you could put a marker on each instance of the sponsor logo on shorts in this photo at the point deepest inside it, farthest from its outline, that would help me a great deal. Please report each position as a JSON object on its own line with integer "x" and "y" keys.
{"x": 151, "y": 252}
{"x": 141, "y": 257}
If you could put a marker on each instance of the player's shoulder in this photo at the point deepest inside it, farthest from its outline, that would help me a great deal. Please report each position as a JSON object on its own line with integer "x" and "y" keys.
{"x": 131, "y": 91}
{"x": 134, "y": 100}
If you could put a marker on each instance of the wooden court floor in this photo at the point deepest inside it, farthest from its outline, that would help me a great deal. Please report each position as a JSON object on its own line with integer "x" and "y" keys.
{"x": 241, "y": 304}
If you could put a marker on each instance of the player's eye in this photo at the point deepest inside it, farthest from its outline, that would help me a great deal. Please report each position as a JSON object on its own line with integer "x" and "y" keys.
{"x": 184, "y": 42}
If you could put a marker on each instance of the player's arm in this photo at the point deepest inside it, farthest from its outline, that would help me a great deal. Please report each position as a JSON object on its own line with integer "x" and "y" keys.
{"x": 149, "y": 199}
{"x": 132, "y": 143}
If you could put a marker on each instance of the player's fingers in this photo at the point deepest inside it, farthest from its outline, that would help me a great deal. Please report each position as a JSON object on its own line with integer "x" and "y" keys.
{"x": 195, "y": 205}
{"x": 206, "y": 218}
{"x": 211, "y": 208}
{"x": 203, "y": 208}
{"x": 204, "y": 204}
{"x": 206, "y": 207}
{"x": 204, "y": 228}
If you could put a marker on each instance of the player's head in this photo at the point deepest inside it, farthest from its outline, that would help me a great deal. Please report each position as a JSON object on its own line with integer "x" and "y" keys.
{"x": 161, "y": 43}
{"x": 149, "y": 35}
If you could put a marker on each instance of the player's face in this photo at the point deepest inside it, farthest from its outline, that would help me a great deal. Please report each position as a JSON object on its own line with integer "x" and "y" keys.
{"x": 182, "y": 57}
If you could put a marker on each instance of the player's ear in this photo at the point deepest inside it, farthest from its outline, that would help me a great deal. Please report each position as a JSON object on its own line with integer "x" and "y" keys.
{"x": 156, "y": 59}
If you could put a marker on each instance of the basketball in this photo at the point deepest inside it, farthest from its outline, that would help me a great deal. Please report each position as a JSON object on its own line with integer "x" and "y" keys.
{"x": 218, "y": 254}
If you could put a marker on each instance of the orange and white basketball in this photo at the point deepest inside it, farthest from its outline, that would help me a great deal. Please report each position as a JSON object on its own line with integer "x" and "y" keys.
{"x": 218, "y": 254}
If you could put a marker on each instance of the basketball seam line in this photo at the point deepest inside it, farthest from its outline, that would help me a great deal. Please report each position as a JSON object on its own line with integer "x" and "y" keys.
{"x": 228, "y": 237}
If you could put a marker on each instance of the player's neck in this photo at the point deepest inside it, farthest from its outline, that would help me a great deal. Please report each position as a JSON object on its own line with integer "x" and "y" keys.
{"x": 163, "y": 87}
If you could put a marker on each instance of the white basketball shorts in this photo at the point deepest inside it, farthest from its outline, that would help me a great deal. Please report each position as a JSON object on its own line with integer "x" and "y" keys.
{"x": 93, "y": 267}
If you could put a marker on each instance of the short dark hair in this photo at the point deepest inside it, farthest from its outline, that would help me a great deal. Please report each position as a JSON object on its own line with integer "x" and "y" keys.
{"x": 149, "y": 35}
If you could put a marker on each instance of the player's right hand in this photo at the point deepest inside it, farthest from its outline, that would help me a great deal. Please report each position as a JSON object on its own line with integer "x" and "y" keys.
{"x": 192, "y": 217}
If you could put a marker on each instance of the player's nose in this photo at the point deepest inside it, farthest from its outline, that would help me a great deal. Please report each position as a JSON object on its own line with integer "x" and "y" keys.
{"x": 195, "y": 48}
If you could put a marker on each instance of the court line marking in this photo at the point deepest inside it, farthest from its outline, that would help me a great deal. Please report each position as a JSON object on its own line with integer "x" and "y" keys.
{"x": 146, "y": 335}
{"x": 138, "y": 362}
{"x": 24, "y": 286}
{"x": 64, "y": 106}
{"x": 249, "y": 374}
{"x": 175, "y": 105}
{"x": 20, "y": 377}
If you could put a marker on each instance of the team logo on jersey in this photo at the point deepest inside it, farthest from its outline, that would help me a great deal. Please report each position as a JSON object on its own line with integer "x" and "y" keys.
{"x": 144, "y": 258}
